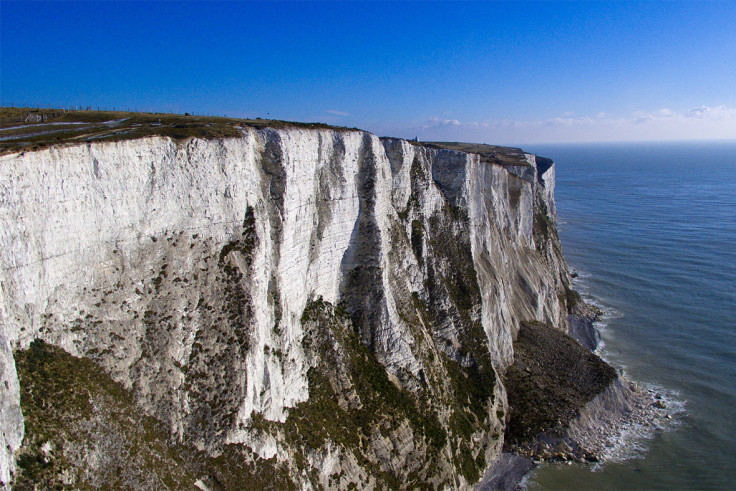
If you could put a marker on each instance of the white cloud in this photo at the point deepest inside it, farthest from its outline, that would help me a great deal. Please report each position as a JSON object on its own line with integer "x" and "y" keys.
{"x": 665, "y": 113}
{"x": 697, "y": 112}
{"x": 337, "y": 113}
{"x": 442, "y": 123}
{"x": 701, "y": 122}
{"x": 715, "y": 113}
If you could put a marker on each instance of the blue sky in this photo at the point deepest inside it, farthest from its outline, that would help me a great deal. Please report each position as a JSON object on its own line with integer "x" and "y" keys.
{"x": 506, "y": 73}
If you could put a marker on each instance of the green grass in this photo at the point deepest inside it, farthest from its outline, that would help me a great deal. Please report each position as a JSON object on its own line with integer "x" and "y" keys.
{"x": 73, "y": 408}
{"x": 97, "y": 126}
{"x": 379, "y": 396}
{"x": 332, "y": 413}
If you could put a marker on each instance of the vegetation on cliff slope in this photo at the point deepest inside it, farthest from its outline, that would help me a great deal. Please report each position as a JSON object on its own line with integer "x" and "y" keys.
{"x": 83, "y": 430}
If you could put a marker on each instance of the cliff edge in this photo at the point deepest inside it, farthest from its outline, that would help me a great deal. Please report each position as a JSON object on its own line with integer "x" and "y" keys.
{"x": 312, "y": 304}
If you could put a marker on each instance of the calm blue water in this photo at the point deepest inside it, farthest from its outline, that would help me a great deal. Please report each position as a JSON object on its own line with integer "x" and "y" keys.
{"x": 651, "y": 228}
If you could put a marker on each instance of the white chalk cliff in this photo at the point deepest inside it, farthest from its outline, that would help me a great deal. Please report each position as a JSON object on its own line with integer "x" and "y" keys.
{"x": 222, "y": 281}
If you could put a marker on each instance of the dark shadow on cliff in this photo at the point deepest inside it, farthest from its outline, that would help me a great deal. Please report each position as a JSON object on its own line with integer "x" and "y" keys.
{"x": 362, "y": 286}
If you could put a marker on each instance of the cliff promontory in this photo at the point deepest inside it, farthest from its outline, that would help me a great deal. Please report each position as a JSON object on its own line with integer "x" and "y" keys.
{"x": 285, "y": 306}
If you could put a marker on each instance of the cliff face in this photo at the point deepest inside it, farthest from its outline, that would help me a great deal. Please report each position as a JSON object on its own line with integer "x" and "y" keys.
{"x": 340, "y": 304}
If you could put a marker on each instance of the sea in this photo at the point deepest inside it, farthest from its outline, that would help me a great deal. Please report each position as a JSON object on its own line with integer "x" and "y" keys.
{"x": 650, "y": 230}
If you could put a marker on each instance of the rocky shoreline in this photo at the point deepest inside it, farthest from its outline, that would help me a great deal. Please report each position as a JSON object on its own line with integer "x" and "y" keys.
{"x": 624, "y": 406}
{"x": 599, "y": 425}
{"x": 506, "y": 473}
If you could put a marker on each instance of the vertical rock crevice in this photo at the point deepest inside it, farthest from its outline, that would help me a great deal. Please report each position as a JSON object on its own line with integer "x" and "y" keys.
{"x": 362, "y": 287}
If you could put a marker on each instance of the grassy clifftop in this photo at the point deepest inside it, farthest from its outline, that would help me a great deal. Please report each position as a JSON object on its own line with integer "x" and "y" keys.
{"x": 28, "y": 129}
{"x": 493, "y": 154}
{"x": 23, "y": 129}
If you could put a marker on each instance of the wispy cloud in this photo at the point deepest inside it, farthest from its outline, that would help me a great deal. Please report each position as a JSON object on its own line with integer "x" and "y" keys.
{"x": 441, "y": 123}
{"x": 337, "y": 113}
{"x": 715, "y": 113}
{"x": 702, "y": 122}
{"x": 445, "y": 123}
